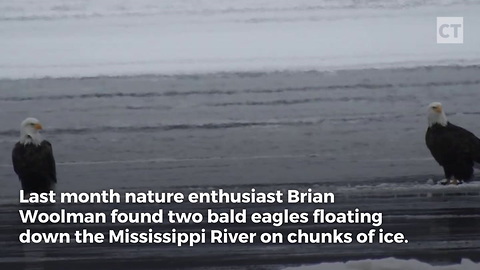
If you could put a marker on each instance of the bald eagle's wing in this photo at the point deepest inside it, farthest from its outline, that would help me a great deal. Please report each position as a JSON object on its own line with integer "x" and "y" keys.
{"x": 454, "y": 148}
{"x": 466, "y": 142}
{"x": 19, "y": 163}
{"x": 451, "y": 141}
{"x": 35, "y": 166}
{"x": 49, "y": 160}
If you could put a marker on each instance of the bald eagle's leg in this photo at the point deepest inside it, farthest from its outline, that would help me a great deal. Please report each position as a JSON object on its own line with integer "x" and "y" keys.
{"x": 450, "y": 178}
{"x": 448, "y": 175}
{"x": 448, "y": 172}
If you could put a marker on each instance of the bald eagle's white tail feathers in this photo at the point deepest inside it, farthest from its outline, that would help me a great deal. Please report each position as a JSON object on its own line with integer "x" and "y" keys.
{"x": 476, "y": 165}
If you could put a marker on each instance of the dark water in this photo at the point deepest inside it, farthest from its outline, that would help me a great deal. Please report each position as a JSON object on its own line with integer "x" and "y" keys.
{"x": 359, "y": 134}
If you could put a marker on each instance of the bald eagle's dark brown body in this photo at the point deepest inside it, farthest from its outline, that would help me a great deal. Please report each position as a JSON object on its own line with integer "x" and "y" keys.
{"x": 455, "y": 149}
{"x": 35, "y": 166}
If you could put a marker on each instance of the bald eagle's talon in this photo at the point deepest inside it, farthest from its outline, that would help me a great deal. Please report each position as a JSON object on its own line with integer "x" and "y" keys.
{"x": 444, "y": 182}
{"x": 454, "y": 182}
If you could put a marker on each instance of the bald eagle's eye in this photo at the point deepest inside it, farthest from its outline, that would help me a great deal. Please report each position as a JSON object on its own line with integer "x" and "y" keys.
{"x": 32, "y": 124}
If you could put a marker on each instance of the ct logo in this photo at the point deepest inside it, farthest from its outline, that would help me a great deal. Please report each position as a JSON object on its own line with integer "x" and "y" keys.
{"x": 450, "y": 30}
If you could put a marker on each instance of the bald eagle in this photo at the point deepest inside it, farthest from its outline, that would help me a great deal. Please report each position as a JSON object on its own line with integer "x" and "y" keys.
{"x": 456, "y": 149}
{"x": 33, "y": 160}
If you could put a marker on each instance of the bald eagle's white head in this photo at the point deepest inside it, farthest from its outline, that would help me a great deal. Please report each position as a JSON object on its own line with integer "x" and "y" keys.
{"x": 436, "y": 115}
{"x": 29, "y": 131}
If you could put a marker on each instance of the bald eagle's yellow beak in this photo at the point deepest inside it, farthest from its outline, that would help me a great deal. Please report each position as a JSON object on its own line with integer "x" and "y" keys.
{"x": 38, "y": 127}
{"x": 438, "y": 109}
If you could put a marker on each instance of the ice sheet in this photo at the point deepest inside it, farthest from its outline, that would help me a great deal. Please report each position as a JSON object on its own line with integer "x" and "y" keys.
{"x": 91, "y": 38}
{"x": 390, "y": 264}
